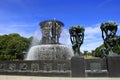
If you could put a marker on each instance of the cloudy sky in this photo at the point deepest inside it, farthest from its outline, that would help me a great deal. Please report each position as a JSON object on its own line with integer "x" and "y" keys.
{"x": 24, "y": 16}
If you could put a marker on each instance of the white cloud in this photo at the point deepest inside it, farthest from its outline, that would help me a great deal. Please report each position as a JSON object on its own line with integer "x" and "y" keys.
{"x": 95, "y": 29}
{"x": 92, "y": 38}
{"x": 23, "y": 29}
{"x": 91, "y": 45}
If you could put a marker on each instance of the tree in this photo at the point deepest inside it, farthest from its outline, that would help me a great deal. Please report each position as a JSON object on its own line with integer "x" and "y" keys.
{"x": 97, "y": 52}
{"x": 13, "y": 46}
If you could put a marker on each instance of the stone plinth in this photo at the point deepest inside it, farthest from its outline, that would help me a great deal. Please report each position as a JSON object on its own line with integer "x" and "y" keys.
{"x": 113, "y": 66}
{"x": 77, "y": 66}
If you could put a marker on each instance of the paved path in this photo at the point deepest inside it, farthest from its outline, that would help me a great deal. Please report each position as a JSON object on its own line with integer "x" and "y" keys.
{"x": 6, "y": 77}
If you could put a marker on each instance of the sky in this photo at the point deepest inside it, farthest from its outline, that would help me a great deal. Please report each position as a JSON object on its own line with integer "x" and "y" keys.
{"x": 24, "y": 16}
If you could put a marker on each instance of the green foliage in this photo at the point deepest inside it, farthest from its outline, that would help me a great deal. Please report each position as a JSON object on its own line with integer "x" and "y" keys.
{"x": 97, "y": 52}
{"x": 12, "y": 46}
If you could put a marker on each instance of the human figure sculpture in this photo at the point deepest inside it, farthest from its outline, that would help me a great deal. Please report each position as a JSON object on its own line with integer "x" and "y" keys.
{"x": 45, "y": 35}
{"x": 76, "y": 37}
{"x": 109, "y": 30}
{"x": 58, "y": 32}
{"x": 55, "y": 31}
{"x": 51, "y": 30}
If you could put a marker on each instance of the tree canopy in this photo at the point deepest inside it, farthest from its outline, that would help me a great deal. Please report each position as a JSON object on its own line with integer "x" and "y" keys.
{"x": 13, "y": 46}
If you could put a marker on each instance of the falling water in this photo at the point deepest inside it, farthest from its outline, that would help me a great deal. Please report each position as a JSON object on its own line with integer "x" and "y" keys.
{"x": 49, "y": 52}
{"x": 35, "y": 41}
{"x": 36, "y": 38}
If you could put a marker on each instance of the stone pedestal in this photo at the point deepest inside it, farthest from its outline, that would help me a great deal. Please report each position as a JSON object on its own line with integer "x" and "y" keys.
{"x": 77, "y": 66}
{"x": 113, "y": 66}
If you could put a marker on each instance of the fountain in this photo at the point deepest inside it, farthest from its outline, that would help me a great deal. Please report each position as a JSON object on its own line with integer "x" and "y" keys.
{"x": 49, "y": 47}
{"x": 48, "y": 57}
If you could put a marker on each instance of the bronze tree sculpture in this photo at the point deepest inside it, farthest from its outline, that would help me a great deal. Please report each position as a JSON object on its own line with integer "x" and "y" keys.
{"x": 110, "y": 38}
{"x": 76, "y": 37}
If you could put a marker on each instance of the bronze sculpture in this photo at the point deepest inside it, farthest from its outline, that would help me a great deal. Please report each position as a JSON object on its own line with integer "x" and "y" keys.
{"x": 51, "y": 30}
{"x": 110, "y": 38}
{"x": 76, "y": 37}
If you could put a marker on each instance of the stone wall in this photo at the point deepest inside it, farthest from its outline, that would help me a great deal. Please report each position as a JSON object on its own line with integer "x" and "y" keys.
{"x": 76, "y": 67}
{"x": 38, "y": 68}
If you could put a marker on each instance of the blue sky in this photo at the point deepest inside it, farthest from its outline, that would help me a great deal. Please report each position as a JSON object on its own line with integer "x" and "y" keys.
{"x": 23, "y": 17}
